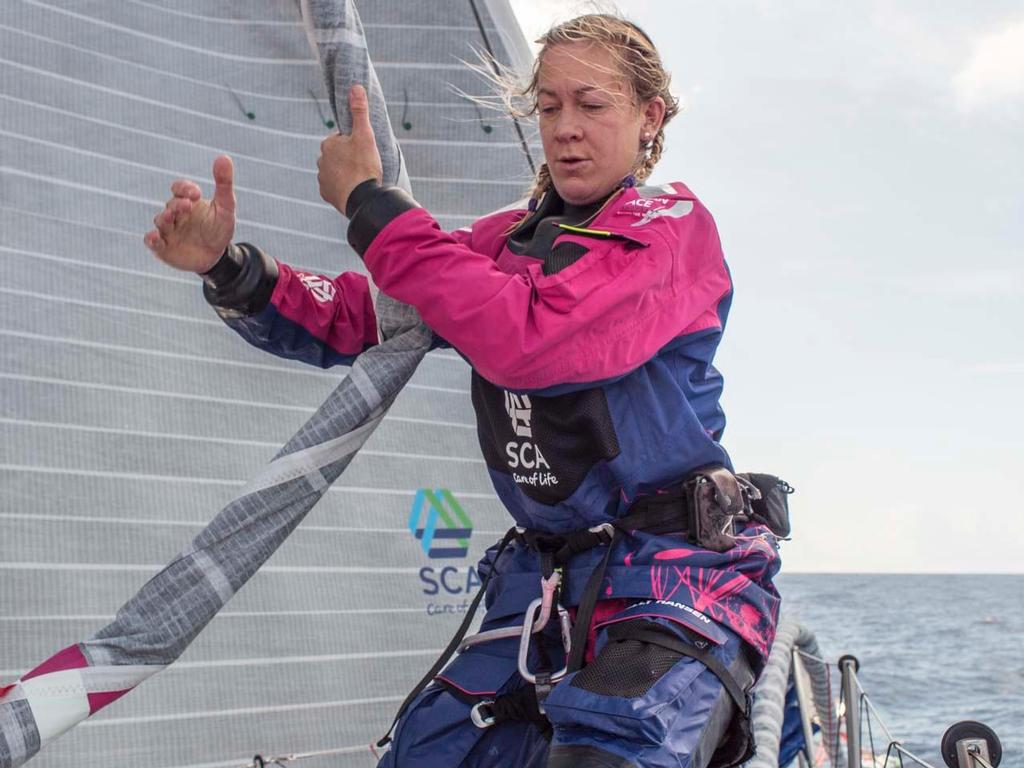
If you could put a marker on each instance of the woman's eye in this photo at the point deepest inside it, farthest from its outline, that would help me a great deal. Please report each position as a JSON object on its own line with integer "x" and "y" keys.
{"x": 593, "y": 107}
{"x": 548, "y": 110}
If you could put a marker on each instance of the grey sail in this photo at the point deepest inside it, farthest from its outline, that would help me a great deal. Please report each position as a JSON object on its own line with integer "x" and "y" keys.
{"x": 130, "y": 416}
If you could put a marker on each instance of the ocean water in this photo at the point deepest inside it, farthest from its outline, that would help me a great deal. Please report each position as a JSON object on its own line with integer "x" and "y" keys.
{"x": 933, "y": 649}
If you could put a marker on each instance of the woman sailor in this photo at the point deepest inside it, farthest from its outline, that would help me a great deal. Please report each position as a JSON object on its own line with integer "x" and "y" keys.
{"x": 590, "y": 318}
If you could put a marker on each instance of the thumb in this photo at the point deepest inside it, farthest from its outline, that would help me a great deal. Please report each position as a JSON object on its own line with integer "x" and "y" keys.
{"x": 224, "y": 178}
{"x": 359, "y": 106}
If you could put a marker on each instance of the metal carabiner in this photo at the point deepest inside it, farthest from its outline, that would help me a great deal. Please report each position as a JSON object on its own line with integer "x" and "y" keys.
{"x": 479, "y": 720}
{"x": 548, "y": 588}
{"x": 524, "y": 642}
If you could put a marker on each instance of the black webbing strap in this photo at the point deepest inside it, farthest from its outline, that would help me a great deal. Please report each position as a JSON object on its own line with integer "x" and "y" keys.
{"x": 624, "y": 631}
{"x": 519, "y": 705}
{"x": 664, "y": 513}
{"x": 453, "y": 645}
{"x": 562, "y": 547}
{"x": 585, "y": 609}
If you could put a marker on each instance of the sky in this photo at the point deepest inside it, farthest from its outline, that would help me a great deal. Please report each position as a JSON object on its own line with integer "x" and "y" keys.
{"x": 865, "y": 166}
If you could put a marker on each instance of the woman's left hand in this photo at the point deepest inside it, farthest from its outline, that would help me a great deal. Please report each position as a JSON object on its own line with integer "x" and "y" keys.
{"x": 347, "y": 161}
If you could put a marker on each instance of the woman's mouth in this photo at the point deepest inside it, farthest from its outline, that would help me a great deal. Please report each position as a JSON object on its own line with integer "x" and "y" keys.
{"x": 571, "y": 163}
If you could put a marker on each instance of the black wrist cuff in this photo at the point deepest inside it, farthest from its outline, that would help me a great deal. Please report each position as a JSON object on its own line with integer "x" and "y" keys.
{"x": 375, "y": 207}
{"x": 247, "y": 291}
{"x": 227, "y": 268}
{"x": 363, "y": 191}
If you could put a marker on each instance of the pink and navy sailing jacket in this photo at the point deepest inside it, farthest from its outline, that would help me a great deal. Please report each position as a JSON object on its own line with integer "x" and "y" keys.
{"x": 592, "y": 381}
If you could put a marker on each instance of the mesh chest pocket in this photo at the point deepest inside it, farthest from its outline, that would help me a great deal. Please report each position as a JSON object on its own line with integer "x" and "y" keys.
{"x": 563, "y": 255}
{"x": 626, "y": 668}
{"x": 632, "y": 659}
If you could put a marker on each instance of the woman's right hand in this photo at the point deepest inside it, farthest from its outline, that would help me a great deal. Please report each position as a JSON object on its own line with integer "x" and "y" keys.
{"x": 191, "y": 233}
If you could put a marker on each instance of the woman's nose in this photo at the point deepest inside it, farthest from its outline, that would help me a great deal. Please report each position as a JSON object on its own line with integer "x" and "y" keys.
{"x": 568, "y": 127}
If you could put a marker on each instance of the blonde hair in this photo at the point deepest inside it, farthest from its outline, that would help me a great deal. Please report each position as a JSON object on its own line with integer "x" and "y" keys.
{"x": 637, "y": 60}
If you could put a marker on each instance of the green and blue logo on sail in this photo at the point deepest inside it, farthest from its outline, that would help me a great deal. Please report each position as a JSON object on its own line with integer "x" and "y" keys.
{"x": 446, "y": 530}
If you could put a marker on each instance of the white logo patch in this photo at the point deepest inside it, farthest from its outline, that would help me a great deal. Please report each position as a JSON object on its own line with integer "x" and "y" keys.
{"x": 519, "y": 409}
{"x": 681, "y": 606}
{"x": 323, "y": 290}
{"x": 677, "y": 210}
{"x": 525, "y": 454}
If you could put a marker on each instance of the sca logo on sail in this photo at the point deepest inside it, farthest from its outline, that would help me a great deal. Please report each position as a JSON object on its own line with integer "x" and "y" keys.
{"x": 443, "y": 529}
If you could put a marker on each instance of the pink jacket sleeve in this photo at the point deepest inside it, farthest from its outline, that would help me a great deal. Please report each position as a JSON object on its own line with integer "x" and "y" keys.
{"x": 319, "y": 320}
{"x": 599, "y": 319}
{"x": 337, "y": 311}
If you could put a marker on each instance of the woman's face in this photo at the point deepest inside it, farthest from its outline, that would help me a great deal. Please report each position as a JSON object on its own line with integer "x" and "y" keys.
{"x": 590, "y": 126}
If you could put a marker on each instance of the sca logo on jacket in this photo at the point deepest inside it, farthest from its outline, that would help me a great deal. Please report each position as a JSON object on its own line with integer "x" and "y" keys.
{"x": 525, "y": 454}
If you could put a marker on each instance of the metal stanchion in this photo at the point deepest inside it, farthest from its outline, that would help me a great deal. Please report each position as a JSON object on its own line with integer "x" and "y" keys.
{"x": 848, "y": 666}
{"x": 805, "y": 700}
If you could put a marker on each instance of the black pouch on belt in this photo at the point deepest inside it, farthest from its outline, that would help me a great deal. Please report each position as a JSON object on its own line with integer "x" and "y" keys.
{"x": 772, "y": 509}
{"x": 716, "y": 502}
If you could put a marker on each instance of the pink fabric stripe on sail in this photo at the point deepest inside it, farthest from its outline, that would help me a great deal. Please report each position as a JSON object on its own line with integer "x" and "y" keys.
{"x": 69, "y": 658}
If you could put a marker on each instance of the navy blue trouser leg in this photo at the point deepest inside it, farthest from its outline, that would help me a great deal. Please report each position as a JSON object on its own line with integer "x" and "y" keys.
{"x": 639, "y": 705}
{"x": 635, "y": 706}
{"x": 436, "y": 729}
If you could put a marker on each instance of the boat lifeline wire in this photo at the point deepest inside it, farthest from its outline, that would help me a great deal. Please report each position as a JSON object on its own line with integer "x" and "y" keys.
{"x": 894, "y": 748}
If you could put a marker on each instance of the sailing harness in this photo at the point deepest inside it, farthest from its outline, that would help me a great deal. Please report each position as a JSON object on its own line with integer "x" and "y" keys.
{"x": 705, "y": 509}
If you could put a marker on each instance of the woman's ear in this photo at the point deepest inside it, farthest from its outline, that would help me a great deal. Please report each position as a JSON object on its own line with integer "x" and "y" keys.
{"x": 654, "y": 115}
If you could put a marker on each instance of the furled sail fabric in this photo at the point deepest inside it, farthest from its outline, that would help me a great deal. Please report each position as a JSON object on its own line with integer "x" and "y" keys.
{"x": 130, "y": 416}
